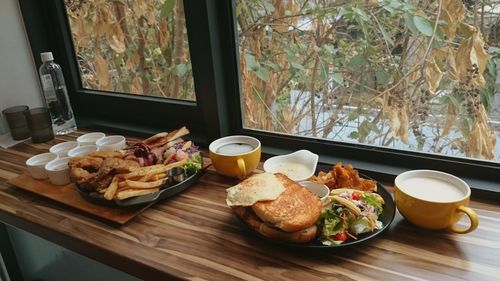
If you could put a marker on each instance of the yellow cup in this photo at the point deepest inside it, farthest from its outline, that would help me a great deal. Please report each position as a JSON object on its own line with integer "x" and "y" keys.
{"x": 434, "y": 200}
{"x": 235, "y": 156}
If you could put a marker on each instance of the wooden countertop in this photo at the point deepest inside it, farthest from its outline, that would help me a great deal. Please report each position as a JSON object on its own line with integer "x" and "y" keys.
{"x": 195, "y": 236}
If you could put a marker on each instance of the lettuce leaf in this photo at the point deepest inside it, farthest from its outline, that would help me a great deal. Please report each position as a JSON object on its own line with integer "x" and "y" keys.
{"x": 191, "y": 168}
{"x": 194, "y": 164}
{"x": 373, "y": 200}
{"x": 330, "y": 223}
{"x": 195, "y": 157}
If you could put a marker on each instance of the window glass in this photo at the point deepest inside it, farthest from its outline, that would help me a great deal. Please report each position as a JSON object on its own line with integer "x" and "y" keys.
{"x": 135, "y": 47}
{"x": 410, "y": 75}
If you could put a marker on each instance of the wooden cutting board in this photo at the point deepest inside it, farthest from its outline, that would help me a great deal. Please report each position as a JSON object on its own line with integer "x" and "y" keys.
{"x": 68, "y": 195}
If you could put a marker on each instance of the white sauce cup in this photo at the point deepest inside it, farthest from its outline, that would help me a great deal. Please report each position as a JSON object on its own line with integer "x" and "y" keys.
{"x": 304, "y": 158}
{"x": 111, "y": 143}
{"x": 90, "y": 138}
{"x": 82, "y": 150}
{"x": 321, "y": 190}
{"x": 36, "y": 164}
{"x": 61, "y": 149}
{"x": 58, "y": 171}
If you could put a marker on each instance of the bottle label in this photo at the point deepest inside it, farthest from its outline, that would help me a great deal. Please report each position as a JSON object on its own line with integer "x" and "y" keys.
{"x": 48, "y": 87}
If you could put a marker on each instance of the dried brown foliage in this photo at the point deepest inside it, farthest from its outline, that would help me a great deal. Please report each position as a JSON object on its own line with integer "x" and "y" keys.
{"x": 137, "y": 47}
{"x": 406, "y": 67}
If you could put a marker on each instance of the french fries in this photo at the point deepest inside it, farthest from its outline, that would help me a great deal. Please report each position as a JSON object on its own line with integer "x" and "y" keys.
{"x": 145, "y": 185}
{"x": 154, "y": 169}
{"x": 112, "y": 188}
{"x": 134, "y": 192}
{"x": 142, "y": 181}
{"x": 187, "y": 145}
{"x": 176, "y": 164}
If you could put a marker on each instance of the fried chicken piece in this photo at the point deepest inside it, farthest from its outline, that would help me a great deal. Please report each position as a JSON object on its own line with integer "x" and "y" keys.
{"x": 118, "y": 166}
{"x": 106, "y": 154}
{"x": 84, "y": 168}
{"x": 109, "y": 168}
{"x": 344, "y": 177}
{"x": 86, "y": 162}
{"x": 96, "y": 183}
{"x": 80, "y": 175}
{"x": 357, "y": 181}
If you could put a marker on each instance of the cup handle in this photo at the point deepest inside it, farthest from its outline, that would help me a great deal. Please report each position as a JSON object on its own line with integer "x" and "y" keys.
{"x": 242, "y": 170}
{"x": 474, "y": 221}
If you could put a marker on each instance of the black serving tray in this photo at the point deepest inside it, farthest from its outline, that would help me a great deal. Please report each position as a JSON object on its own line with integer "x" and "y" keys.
{"x": 164, "y": 192}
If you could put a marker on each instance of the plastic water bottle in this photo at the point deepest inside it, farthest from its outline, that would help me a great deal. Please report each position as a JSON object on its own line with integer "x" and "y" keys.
{"x": 56, "y": 96}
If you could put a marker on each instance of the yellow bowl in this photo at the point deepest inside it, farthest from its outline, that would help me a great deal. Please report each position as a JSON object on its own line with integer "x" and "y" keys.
{"x": 434, "y": 200}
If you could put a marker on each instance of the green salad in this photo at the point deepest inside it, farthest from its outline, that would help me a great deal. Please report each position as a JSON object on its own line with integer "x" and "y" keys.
{"x": 193, "y": 165}
{"x": 348, "y": 213}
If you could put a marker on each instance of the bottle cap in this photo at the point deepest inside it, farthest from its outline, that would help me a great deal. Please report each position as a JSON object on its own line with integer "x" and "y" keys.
{"x": 47, "y": 56}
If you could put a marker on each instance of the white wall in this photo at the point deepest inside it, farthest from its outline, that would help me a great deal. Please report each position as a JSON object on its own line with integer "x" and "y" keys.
{"x": 18, "y": 75}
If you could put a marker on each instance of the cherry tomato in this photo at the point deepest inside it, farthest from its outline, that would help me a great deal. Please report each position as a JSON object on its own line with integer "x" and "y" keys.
{"x": 342, "y": 236}
{"x": 356, "y": 196}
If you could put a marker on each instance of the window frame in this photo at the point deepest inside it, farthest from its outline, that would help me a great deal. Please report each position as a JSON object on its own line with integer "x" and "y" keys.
{"x": 212, "y": 34}
{"x": 48, "y": 29}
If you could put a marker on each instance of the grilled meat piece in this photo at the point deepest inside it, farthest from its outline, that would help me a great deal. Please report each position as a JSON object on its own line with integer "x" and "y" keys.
{"x": 108, "y": 168}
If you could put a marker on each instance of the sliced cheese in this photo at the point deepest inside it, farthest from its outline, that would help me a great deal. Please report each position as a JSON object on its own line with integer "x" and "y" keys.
{"x": 260, "y": 187}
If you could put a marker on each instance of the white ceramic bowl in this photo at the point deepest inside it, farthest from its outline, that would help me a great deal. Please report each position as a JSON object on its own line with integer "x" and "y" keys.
{"x": 82, "y": 150}
{"x": 111, "y": 143}
{"x": 90, "y": 138}
{"x": 36, "y": 164}
{"x": 58, "y": 171}
{"x": 321, "y": 190}
{"x": 299, "y": 166}
{"x": 61, "y": 149}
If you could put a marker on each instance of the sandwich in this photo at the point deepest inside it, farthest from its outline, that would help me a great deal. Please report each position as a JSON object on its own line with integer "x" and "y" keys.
{"x": 276, "y": 207}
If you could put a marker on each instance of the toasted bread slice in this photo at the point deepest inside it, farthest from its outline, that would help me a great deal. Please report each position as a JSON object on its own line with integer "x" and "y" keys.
{"x": 163, "y": 138}
{"x": 179, "y": 133}
{"x": 249, "y": 217}
{"x": 154, "y": 138}
{"x": 259, "y": 187}
{"x": 295, "y": 209}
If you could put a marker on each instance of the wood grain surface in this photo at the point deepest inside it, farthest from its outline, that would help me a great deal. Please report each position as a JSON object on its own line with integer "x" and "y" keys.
{"x": 69, "y": 196}
{"x": 194, "y": 235}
